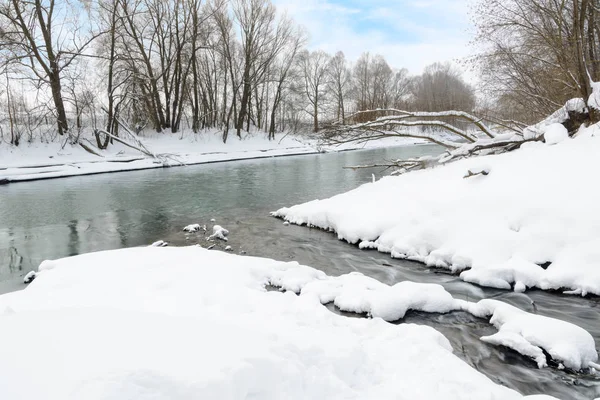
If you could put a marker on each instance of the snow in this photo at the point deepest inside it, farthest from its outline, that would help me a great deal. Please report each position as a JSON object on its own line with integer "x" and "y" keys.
{"x": 555, "y": 133}
{"x": 124, "y": 325}
{"x": 558, "y": 117}
{"x": 29, "y": 277}
{"x": 219, "y": 233}
{"x": 529, "y": 333}
{"x": 31, "y": 161}
{"x": 357, "y": 293}
{"x": 159, "y": 243}
{"x": 521, "y": 331}
{"x": 538, "y": 205}
{"x": 192, "y": 228}
{"x": 594, "y": 99}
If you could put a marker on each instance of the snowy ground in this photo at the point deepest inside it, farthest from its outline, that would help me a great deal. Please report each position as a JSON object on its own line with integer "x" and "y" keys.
{"x": 43, "y": 161}
{"x": 188, "y": 323}
{"x": 533, "y": 221}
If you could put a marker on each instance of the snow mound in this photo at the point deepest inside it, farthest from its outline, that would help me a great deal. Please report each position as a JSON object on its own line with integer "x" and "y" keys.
{"x": 537, "y": 206}
{"x": 529, "y": 333}
{"x": 159, "y": 243}
{"x": 193, "y": 228}
{"x": 360, "y": 294}
{"x": 219, "y": 233}
{"x": 555, "y": 133}
{"x": 124, "y": 325}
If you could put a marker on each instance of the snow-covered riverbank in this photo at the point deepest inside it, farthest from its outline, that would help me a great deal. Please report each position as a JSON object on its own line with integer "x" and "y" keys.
{"x": 186, "y": 323}
{"x": 51, "y": 160}
{"x": 533, "y": 221}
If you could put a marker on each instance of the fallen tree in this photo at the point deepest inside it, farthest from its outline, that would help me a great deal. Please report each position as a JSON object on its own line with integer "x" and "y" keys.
{"x": 476, "y": 138}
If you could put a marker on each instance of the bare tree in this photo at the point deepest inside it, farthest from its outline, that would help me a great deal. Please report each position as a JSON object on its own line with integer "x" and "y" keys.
{"x": 314, "y": 75}
{"x": 339, "y": 81}
{"x": 537, "y": 54}
{"x": 294, "y": 42}
{"x": 44, "y": 39}
{"x": 442, "y": 88}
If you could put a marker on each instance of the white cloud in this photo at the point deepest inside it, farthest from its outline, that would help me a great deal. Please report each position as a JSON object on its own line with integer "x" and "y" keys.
{"x": 409, "y": 33}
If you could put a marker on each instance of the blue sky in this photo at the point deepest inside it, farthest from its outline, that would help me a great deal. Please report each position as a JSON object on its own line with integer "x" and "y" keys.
{"x": 409, "y": 33}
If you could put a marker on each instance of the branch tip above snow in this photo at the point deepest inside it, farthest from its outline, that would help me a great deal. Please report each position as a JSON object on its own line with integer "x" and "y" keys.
{"x": 29, "y": 277}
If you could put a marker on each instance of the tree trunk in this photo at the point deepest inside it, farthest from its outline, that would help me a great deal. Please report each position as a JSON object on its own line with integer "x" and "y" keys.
{"x": 61, "y": 115}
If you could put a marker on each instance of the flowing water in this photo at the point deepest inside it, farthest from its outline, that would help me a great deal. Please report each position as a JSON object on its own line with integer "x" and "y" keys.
{"x": 61, "y": 217}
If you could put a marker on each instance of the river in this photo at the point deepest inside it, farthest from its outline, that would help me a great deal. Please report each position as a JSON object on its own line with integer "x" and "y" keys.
{"x": 61, "y": 217}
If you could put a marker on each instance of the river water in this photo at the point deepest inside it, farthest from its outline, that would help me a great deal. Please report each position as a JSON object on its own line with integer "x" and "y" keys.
{"x": 61, "y": 217}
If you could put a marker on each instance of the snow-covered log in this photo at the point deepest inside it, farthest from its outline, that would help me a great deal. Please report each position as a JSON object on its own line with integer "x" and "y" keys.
{"x": 459, "y": 143}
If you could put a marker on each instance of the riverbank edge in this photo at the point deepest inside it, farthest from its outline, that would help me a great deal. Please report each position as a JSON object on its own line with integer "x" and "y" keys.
{"x": 21, "y": 178}
{"x": 274, "y": 153}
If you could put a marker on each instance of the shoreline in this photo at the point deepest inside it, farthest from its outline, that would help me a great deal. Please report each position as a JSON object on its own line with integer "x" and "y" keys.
{"x": 153, "y": 165}
{"x": 97, "y": 167}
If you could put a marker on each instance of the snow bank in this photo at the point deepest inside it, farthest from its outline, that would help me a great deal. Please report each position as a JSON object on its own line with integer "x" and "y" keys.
{"x": 529, "y": 333}
{"x": 32, "y": 161}
{"x": 186, "y": 323}
{"x": 521, "y": 331}
{"x": 538, "y": 205}
{"x": 357, "y": 293}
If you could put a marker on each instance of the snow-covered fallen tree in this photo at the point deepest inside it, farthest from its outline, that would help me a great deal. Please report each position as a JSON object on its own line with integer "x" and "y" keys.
{"x": 187, "y": 323}
{"x": 477, "y": 138}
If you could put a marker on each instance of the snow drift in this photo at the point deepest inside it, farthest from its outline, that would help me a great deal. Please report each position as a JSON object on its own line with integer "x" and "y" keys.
{"x": 537, "y": 206}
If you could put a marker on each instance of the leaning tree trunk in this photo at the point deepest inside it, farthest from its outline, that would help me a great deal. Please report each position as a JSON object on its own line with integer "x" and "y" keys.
{"x": 61, "y": 115}
{"x": 245, "y": 98}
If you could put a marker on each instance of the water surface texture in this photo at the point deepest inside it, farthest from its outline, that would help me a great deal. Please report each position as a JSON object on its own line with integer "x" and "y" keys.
{"x": 57, "y": 218}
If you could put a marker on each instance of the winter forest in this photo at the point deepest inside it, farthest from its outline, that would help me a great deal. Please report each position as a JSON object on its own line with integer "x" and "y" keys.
{"x": 299, "y": 199}
{"x": 237, "y": 65}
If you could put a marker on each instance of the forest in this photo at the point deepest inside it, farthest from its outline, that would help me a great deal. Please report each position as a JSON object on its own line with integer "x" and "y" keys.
{"x": 71, "y": 67}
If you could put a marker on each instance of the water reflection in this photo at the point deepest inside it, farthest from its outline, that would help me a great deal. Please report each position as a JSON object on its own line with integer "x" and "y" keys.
{"x": 62, "y": 217}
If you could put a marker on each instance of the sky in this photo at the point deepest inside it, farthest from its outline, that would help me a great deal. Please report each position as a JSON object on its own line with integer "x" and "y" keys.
{"x": 408, "y": 33}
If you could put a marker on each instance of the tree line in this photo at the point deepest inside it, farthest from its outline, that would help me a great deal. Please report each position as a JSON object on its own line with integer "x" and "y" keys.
{"x": 238, "y": 65}
{"x": 168, "y": 65}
